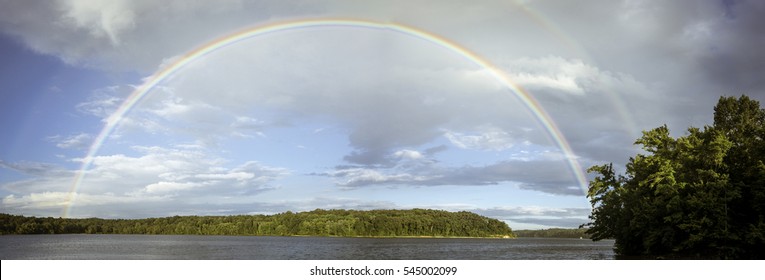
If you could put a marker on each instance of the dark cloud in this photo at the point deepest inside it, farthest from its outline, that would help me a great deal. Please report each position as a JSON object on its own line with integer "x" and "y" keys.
{"x": 731, "y": 50}
{"x": 434, "y": 150}
{"x": 539, "y": 175}
{"x": 36, "y": 168}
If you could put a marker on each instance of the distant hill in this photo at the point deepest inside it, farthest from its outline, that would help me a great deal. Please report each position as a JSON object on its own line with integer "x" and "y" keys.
{"x": 554, "y": 232}
{"x": 373, "y": 223}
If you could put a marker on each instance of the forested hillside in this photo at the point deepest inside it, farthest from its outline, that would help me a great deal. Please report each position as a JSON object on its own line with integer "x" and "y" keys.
{"x": 387, "y": 223}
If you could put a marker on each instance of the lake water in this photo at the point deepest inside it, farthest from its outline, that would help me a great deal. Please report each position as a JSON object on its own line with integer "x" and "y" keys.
{"x": 197, "y": 247}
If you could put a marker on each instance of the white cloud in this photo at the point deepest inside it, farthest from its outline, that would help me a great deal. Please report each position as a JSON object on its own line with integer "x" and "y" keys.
{"x": 408, "y": 154}
{"x": 172, "y": 175}
{"x": 490, "y": 138}
{"x": 100, "y": 18}
{"x": 238, "y": 176}
{"x": 354, "y": 177}
{"x": 248, "y": 123}
{"x": 551, "y": 72}
{"x": 172, "y": 108}
{"x": 165, "y": 187}
{"x": 104, "y": 101}
{"x": 58, "y": 200}
{"x": 247, "y": 127}
{"x": 78, "y": 141}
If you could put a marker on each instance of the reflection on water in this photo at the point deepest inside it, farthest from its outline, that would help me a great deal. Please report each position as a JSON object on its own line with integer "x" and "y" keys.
{"x": 281, "y": 248}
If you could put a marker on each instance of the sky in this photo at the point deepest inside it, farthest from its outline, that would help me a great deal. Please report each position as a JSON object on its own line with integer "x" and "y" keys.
{"x": 493, "y": 107}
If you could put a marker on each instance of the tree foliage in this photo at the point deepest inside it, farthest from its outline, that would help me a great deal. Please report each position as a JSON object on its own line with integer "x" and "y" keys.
{"x": 697, "y": 196}
{"x": 415, "y": 222}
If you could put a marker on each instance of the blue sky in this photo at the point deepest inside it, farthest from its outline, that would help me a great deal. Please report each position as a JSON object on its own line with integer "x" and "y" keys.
{"x": 355, "y": 118}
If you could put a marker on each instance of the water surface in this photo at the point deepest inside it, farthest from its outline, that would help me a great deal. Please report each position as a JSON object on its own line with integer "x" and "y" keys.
{"x": 198, "y": 247}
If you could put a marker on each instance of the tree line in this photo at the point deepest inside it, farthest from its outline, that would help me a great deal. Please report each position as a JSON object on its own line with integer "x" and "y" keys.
{"x": 373, "y": 223}
{"x": 553, "y": 233}
{"x": 701, "y": 195}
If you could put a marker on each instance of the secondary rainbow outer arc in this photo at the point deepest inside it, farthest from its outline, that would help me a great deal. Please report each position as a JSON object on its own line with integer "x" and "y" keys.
{"x": 529, "y": 101}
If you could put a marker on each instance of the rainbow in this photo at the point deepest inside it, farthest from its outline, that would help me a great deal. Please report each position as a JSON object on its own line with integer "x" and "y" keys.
{"x": 220, "y": 43}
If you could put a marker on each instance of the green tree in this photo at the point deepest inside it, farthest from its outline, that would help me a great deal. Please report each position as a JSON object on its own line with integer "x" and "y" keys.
{"x": 696, "y": 196}
{"x": 416, "y": 222}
